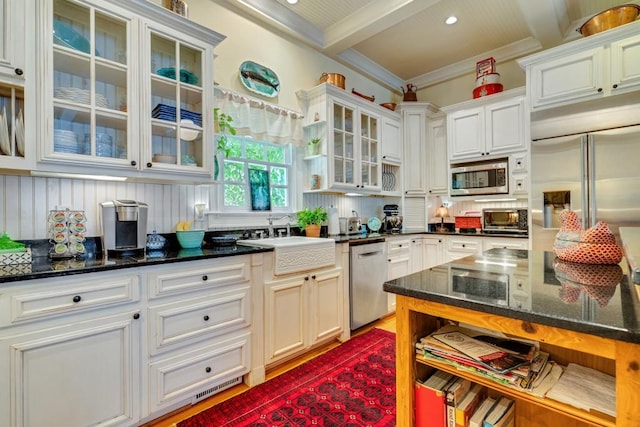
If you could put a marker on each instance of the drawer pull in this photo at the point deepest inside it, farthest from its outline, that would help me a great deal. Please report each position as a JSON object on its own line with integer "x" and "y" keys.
{"x": 205, "y": 278}
{"x": 207, "y": 369}
{"x": 136, "y": 316}
{"x": 206, "y": 318}
{"x": 77, "y": 298}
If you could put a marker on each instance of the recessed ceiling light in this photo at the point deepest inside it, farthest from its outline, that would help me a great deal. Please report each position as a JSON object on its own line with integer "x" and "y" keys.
{"x": 292, "y": 1}
{"x": 451, "y": 20}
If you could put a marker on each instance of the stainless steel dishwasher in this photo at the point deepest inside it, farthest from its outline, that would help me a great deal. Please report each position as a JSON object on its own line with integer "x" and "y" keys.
{"x": 368, "y": 271}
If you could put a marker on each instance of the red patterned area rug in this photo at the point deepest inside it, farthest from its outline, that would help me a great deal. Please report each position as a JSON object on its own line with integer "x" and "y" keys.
{"x": 352, "y": 385}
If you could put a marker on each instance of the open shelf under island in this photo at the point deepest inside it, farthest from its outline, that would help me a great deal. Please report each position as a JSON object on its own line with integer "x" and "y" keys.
{"x": 572, "y": 311}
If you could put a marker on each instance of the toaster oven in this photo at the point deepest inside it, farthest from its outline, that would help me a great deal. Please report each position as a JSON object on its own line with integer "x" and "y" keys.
{"x": 505, "y": 220}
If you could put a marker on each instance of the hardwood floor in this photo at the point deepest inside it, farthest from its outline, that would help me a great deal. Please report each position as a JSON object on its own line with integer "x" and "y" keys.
{"x": 387, "y": 323}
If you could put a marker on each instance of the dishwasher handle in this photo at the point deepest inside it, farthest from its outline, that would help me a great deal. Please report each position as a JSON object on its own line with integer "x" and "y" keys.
{"x": 368, "y": 254}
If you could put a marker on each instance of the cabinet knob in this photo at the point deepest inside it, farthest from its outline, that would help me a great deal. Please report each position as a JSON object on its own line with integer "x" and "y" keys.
{"x": 439, "y": 240}
{"x": 519, "y": 184}
{"x": 384, "y": 157}
{"x": 389, "y": 260}
{"x": 306, "y": 278}
{"x": 133, "y": 163}
{"x": 313, "y": 277}
{"x": 18, "y": 71}
{"x": 206, "y": 318}
{"x": 136, "y": 316}
{"x": 519, "y": 163}
{"x": 205, "y": 278}
{"x": 77, "y": 298}
{"x": 399, "y": 246}
{"x": 615, "y": 86}
{"x": 149, "y": 164}
{"x": 463, "y": 245}
{"x": 207, "y": 369}
{"x": 599, "y": 89}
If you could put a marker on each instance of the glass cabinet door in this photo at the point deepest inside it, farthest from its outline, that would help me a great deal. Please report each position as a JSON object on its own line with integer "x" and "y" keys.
{"x": 90, "y": 83}
{"x": 369, "y": 151}
{"x": 176, "y": 102}
{"x": 343, "y": 145}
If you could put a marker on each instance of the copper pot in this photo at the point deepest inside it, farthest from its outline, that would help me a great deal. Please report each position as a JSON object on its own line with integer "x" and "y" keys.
{"x": 333, "y": 78}
{"x": 609, "y": 19}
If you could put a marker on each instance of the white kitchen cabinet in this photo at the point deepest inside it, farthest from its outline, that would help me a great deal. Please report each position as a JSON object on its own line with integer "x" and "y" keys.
{"x": 132, "y": 92}
{"x": 199, "y": 319}
{"x": 591, "y": 68}
{"x": 302, "y": 310}
{"x": 414, "y": 132}
{"x": 487, "y": 126}
{"x": 13, "y": 41}
{"x": 416, "y": 254}
{"x": 71, "y": 350}
{"x": 398, "y": 256}
{"x": 433, "y": 251}
{"x": 461, "y": 246}
{"x": 504, "y": 243}
{"x": 437, "y": 161}
{"x": 391, "y": 140}
{"x": 352, "y": 138}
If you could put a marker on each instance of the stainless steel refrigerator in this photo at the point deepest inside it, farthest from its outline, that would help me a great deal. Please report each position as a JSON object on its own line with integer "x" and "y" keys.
{"x": 596, "y": 174}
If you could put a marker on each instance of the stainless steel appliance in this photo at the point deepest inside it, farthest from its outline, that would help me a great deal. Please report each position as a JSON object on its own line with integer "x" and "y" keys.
{"x": 595, "y": 174}
{"x": 354, "y": 224}
{"x": 368, "y": 271}
{"x": 505, "y": 220}
{"x": 488, "y": 177}
{"x": 124, "y": 225}
{"x": 479, "y": 285}
{"x": 392, "y": 222}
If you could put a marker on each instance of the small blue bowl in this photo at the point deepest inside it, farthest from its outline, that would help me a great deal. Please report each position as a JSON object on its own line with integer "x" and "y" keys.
{"x": 190, "y": 239}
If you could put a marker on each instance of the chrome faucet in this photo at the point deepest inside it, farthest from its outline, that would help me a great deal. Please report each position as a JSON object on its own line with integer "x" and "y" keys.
{"x": 271, "y": 219}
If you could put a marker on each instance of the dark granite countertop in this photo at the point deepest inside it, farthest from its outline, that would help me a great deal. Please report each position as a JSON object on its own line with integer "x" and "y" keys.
{"x": 43, "y": 266}
{"x": 596, "y": 300}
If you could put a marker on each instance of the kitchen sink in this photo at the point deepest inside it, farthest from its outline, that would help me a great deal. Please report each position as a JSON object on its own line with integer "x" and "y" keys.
{"x": 297, "y": 253}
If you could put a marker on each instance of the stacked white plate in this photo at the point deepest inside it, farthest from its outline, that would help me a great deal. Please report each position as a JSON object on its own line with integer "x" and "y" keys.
{"x": 5, "y": 143}
{"x": 20, "y": 134}
{"x": 104, "y": 144}
{"x": 80, "y": 96}
{"x": 66, "y": 141}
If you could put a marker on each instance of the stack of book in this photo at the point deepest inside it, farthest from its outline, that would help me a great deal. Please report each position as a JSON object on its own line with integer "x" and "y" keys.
{"x": 512, "y": 363}
{"x": 444, "y": 400}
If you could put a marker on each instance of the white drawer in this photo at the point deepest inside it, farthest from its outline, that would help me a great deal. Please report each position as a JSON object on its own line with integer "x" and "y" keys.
{"x": 463, "y": 245}
{"x": 182, "y": 377}
{"x": 199, "y": 275}
{"x": 66, "y": 296}
{"x": 398, "y": 247}
{"x": 190, "y": 320}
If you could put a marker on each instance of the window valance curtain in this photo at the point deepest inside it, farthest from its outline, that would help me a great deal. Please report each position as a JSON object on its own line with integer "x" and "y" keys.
{"x": 259, "y": 119}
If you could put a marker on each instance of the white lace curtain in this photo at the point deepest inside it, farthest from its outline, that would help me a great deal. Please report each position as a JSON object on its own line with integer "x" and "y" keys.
{"x": 259, "y": 119}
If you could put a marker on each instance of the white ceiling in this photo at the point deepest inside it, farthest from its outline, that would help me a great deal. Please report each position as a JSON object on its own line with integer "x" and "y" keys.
{"x": 398, "y": 41}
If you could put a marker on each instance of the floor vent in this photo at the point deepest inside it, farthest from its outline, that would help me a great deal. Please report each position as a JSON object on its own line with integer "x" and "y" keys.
{"x": 206, "y": 393}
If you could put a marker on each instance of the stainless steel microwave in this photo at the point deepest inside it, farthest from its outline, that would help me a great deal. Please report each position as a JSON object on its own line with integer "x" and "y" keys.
{"x": 505, "y": 220}
{"x": 490, "y": 177}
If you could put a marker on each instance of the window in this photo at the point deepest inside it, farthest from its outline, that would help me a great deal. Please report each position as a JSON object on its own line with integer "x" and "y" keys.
{"x": 246, "y": 153}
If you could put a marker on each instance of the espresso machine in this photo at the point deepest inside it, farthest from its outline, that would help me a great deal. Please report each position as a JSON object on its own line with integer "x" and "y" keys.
{"x": 124, "y": 226}
{"x": 392, "y": 219}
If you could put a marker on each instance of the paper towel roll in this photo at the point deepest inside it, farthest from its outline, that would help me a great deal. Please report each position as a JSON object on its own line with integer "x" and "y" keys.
{"x": 334, "y": 223}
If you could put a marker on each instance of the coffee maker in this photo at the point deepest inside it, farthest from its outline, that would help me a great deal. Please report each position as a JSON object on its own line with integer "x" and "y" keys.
{"x": 392, "y": 219}
{"x": 124, "y": 226}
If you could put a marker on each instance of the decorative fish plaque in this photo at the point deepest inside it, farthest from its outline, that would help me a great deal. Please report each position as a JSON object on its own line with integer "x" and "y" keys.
{"x": 260, "y": 79}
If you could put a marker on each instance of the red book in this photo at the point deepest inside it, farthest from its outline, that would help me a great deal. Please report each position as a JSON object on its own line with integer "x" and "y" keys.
{"x": 430, "y": 396}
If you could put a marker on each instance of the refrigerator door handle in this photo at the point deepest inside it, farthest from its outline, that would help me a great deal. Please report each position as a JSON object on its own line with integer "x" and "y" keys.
{"x": 584, "y": 188}
{"x": 591, "y": 164}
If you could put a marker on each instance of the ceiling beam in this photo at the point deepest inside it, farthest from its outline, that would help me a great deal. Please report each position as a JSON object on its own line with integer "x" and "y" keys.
{"x": 547, "y": 20}
{"x": 369, "y": 21}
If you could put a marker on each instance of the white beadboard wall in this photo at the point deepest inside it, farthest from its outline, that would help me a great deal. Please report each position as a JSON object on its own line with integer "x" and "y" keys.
{"x": 25, "y": 202}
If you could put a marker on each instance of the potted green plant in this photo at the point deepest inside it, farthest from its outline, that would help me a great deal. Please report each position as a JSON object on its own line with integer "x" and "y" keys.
{"x": 223, "y": 128}
{"x": 310, "y": 220}
{"x": 314, "y": 146}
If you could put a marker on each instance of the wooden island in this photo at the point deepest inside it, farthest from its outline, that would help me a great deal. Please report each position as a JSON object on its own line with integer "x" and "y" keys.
{"x": 589, "y": 324}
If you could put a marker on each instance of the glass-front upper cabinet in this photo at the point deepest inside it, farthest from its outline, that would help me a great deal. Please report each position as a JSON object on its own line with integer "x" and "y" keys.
{"x": 344, "y": 160}
{"x": 177, "y": 101}
{"x": 126, "y": 86}
{"x": 369, "y": 151}
{"x": 91, "y": 81}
